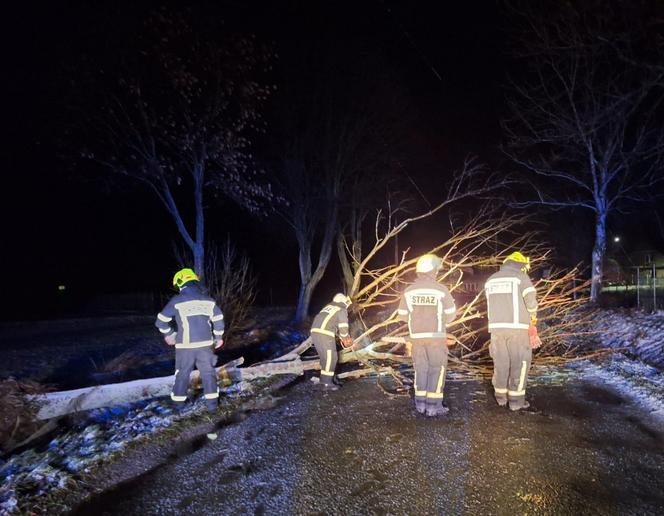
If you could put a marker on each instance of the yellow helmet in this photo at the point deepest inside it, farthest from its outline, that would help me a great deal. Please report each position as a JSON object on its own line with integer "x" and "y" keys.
{"x": 428, "y": 263}
{"x": 184, "y": 276}
{"x": 342, "y": 298}
{"x": 518, "y": 257}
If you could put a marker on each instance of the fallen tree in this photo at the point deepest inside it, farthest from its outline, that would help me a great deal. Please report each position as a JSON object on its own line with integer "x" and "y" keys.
{"x": 470, "y": 250}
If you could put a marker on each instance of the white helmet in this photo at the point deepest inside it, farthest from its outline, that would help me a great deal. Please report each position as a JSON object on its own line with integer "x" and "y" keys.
{"x": 342, "y": 298}
{"x": 428, "y": 263}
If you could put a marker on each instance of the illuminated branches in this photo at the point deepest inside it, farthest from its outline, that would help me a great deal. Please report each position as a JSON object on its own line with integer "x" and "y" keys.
{"x": 471, "y": 252}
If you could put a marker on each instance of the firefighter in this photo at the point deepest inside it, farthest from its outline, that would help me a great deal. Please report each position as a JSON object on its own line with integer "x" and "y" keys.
{"x": 331, "y": 319}
{"x": 512, "y": 308}
{"x": 200, "y": 327}
{"x": 428, "y": 307}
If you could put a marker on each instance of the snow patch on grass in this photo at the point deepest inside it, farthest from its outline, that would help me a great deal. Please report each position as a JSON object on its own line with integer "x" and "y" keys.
{"x": 640, "y": 333}
{"x": 640, "y": 382}
{"x": 104, "y": 432}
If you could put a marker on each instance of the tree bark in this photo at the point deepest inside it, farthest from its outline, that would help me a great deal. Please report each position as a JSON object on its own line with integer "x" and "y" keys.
{"x": 599, "y": 250}
{"x": 199, "y": 243}
{"x": 346, "y": 268}
{"x": 308, "y": 280}
{"x": 303, "y": 300}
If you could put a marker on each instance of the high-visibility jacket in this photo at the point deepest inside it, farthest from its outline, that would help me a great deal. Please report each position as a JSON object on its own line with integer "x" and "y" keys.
{"x": 511, "y": 298}
{"x": 198, "y": 319}
{"x": 331, "y": 318}
{"x": 428, "y": 307}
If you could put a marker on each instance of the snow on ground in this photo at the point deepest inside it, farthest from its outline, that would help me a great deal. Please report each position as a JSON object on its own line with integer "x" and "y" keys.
{"x": 640, "y": 382}
{"x": 641, "y": 333}
{"x": 102, "y": 433}
{"x": 96, "y": 437}
{"x": 105, "y": 432}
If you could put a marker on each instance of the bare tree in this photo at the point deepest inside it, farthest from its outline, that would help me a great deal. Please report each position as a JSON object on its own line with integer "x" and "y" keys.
{"x": 177, "y": 116}
{"x": 337, "y": 144}
{"x": 584, "y": 120}
{"x": 232, "y": 283}
{"x": 312, "y": 204}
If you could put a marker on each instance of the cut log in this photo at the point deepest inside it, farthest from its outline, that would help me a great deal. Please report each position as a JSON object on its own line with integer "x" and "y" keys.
{"x": 56, "y": 404}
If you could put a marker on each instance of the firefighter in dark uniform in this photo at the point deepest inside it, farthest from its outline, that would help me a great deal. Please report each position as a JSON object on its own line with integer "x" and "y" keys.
{"x": 332, "y": 319}
{"x": 200, "y": 327}
{"x": 428, "y": 307}
{"x": 512, "y": 308}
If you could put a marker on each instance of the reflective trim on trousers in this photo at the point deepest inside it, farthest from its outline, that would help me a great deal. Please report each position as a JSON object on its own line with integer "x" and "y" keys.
{"x": 427, "y": 335}
{"x": 322, "y": 332}
{"x": 508, "y": 326}
{"x": 435, "y": 395}
{"x": 499, "y": 391}
{"x": 441, "y": 380}
{"x": 516, "y": 394}
{"x": 165, "y": 330}
{"x": 194, "y": 345}
{"x": 522, "y": 377}
{"x": 164, "y": 318}
{"x": 178, "y": 398}
{"x": 212, "y": 396}
{"x": 328, "y": 362}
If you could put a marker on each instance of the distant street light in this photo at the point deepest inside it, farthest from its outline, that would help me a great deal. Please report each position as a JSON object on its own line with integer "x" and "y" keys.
{"x": 616, "y": 239}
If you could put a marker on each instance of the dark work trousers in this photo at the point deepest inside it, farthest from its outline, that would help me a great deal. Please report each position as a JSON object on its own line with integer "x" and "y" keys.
{"x": 326, "y": 346}
{"x": 430, "y": 362}
{"x": 204, "y": 360}
{"x": 511, "y": 353}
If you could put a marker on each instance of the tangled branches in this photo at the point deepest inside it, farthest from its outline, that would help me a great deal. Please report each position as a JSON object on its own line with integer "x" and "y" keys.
{"x": 471, "y": 253}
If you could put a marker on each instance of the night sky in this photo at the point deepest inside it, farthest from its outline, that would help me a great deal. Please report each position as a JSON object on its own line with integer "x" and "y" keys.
{"x": 64, "y": 225}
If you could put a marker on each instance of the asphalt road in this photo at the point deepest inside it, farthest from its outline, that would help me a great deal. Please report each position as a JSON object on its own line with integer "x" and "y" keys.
{"x": 583, "y": 449}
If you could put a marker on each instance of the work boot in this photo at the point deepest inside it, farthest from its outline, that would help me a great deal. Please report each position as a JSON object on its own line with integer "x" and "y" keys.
{"x": 421, "y": 406}
{"x": 327, "y": 387}
{"x": 211, "y": 405}
{"x": 336, "y": 381}
{"x": 502, "y": 401}
{"x": 520, "y": 406}
{"x": 438, "y": 410}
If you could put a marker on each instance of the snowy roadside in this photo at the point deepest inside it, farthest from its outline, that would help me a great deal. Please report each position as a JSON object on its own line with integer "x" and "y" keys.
{"x": 641, "y": 383}
{"x": 28, "y": 479}
{"x": 639, "y": 333}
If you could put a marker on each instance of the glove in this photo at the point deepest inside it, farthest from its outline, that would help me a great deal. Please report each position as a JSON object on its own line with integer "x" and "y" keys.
{"x": 218, "y": 344}
{"x": 346, "y": 342}
{"x": 170, "y": 339}
{"x": 535, "y": 341}
{"x": 451, "y": 340}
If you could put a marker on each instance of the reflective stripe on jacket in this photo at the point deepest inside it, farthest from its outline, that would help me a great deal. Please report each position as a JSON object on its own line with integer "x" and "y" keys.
{"x": 198, "y": 319}
{"x": 428, "y": 307}
{"x": 511, "y": 298}
{"x": 331, "y": 318}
